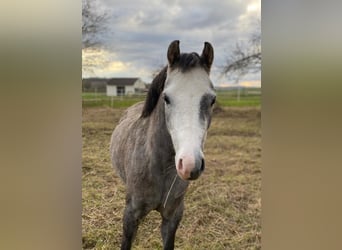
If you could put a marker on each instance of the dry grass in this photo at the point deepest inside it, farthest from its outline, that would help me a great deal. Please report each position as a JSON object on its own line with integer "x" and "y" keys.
{"x": 222, "y": 208}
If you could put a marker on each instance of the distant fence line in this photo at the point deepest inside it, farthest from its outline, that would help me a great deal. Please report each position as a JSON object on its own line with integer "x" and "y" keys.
{"x": 101, "y": 99}
{"x": 226, "y": 98}
{"x": 232, "y": 92}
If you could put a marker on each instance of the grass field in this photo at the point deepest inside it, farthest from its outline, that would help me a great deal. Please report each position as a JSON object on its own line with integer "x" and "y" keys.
{"x": 222, "y": 207}
{"x": 224, "y": 98}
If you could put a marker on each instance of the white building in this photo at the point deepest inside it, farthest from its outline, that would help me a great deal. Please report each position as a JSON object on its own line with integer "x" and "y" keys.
{"x": 125, "y": 86}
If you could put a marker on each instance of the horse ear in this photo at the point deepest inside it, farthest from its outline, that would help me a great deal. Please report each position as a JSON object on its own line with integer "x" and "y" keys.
{"x": 173, "y": 52}
{"x": 207, "y": 56}
{"x": 153, "y": 93}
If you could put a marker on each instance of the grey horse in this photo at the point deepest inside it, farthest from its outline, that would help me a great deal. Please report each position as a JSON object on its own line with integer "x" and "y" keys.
{"x": 157, "y": 147}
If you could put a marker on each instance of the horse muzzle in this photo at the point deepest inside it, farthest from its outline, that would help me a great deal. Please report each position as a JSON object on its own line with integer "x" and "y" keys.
{"x": 190, "y": 167}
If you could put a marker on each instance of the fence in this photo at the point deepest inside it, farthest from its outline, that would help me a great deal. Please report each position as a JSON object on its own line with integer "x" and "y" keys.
{"x": 101, "y": 99}
{"x": 231, "y": 97}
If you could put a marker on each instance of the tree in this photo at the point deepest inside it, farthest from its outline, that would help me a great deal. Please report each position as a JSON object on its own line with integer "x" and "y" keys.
{"x": 94, "y": 23}
{"x": 245, "y": 58}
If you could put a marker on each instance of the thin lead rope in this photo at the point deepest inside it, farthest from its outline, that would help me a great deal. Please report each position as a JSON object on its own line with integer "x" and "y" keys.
{"x": 168, "y": 193}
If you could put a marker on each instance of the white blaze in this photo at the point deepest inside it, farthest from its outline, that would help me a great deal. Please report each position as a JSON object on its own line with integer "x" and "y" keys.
{"x": 185, "y": 91}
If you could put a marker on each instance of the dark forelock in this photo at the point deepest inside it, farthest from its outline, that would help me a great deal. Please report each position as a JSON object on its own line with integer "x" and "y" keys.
{"x": 189, "y": 61}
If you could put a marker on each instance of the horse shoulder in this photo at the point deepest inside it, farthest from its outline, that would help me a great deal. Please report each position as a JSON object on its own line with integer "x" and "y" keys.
{"x": 126, "y": 135}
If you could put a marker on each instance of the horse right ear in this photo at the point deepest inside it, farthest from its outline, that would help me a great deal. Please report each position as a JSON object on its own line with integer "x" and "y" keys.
{"x": 173, "y": 52}
{"x": 207, "y": 56}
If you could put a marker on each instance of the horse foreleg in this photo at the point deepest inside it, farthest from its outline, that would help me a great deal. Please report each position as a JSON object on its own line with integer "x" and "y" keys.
{"x": 131, "y": 219}
{"x": 169, "y": 227}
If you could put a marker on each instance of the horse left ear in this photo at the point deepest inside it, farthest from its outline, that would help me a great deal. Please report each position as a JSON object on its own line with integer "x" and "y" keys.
{"x": 173, "y": 52}
{"x": 207, "y": 56}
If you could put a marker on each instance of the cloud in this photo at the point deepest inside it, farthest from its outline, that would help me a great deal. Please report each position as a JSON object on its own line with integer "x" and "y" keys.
{"x": 117, "y": 66}
{"x": 140, "y": 31}
{"x": 250, "y": 83}
{"x": 255, "y": 83}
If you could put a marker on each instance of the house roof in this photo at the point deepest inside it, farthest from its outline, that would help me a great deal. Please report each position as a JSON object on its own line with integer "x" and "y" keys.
{"x": 94, "y": 79}
{"x": 122, "y": 81}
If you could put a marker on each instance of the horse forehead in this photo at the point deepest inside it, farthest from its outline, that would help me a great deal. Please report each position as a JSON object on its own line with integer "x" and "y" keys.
{"x": 194, "y": 81}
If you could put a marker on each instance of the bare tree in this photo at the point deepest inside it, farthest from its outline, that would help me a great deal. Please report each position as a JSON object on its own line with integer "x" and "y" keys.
{"x": 245, "y": 57}
{"x": 94, "y": 57}
{"x": 94, "y": 23}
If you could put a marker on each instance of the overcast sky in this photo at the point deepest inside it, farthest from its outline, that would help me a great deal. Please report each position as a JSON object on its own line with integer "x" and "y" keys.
{"x": 141, "y": 30}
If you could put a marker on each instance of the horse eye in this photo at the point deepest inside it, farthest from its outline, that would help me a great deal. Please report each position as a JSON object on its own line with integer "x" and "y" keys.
{"x": 213, "y": 101}
{"x": 166, "y": 99}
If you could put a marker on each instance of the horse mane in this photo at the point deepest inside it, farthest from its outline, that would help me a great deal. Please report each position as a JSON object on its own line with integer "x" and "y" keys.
{"x": 185, "y": 62}
{"x": 189, "y": 61}
{"x": 154, "y": 92}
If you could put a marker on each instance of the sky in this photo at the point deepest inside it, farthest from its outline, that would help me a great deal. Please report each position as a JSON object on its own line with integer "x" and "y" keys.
{"x": 139, "y": 32}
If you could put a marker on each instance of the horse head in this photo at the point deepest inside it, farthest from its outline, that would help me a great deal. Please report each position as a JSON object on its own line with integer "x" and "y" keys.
{"x": 188, "y": 96}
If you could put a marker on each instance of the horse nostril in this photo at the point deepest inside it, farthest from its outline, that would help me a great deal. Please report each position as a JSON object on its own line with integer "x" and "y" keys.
{"x": 202, "y": 165}
{"x": 180, "y": 164}
{"x": 194, "y": 174}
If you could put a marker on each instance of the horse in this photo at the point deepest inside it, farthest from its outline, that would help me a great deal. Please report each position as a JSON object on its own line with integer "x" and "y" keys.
{"x": 157, "y": 146}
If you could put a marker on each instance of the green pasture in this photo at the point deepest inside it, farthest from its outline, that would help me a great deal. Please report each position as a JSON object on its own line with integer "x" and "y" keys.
{"x": 231, "y": 98}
